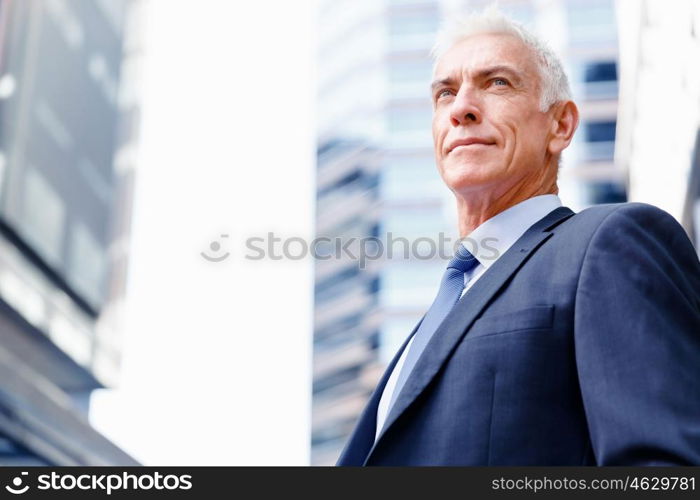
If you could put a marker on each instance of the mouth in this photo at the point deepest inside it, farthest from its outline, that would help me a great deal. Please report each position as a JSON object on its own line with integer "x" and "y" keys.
{"x": 473, "y": 142}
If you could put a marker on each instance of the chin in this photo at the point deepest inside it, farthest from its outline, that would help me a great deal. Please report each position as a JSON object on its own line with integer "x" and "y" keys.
{"x": 465, "y": 177}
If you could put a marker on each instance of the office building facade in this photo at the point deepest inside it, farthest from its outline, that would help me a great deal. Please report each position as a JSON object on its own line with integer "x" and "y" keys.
{"x": 68, "y": 127}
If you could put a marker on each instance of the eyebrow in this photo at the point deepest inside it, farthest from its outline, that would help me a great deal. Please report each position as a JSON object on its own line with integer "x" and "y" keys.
{"x": 481, "y": 74}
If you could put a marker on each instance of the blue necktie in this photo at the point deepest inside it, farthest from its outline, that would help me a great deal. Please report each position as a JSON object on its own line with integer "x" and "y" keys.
{"x": 450, "y": 291}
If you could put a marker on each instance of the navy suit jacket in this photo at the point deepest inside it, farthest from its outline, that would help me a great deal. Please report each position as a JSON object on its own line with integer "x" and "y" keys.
{"x": 579, "y": 346}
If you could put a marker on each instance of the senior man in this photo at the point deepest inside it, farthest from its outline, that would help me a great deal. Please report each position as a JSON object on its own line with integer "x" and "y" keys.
{"x": 580, "y": 343}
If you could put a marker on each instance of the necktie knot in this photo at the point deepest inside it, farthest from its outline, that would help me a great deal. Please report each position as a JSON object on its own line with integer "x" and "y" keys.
{"x": 463, "y": 260}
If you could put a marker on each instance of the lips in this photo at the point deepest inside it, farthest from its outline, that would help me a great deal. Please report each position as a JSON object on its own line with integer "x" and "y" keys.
{"x": 469, "y": 141}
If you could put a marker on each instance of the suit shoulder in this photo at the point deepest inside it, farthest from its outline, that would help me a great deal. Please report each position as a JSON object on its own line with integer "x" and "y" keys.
{"x": 604, "y": 209}
{"x": 608, "y": 224}
{"x": 644, "y": 227}
{"x": 635, "y": 213}
{"x": 585, "y": 222}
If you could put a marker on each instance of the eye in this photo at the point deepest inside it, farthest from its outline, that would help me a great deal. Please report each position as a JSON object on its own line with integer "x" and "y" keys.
{"x": 442, "y": 93}
{"x": 499, "y": 82}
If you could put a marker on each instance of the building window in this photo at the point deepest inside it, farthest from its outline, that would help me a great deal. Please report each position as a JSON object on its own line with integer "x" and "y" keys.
{"x": 606, "y": 192}
{"x": 600, "y": 80}
{"x": 601, "y": 71}
{"x": 600, "y": 131}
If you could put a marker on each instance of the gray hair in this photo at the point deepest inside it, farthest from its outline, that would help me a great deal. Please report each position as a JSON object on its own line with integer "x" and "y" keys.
{"x": 554, "y": 83}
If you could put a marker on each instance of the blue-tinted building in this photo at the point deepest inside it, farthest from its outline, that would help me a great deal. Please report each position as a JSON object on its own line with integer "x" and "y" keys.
{"x": 67, "y": 135}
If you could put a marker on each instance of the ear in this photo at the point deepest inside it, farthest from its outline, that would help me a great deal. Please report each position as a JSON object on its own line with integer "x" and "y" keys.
{"x": 564, "y": 124}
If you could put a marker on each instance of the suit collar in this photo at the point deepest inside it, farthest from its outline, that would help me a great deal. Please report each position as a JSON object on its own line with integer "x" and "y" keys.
{"x": 496, "y": 235}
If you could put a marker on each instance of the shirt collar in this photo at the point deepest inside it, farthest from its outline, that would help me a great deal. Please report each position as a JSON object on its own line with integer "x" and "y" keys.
{"x": 490, "y": 240}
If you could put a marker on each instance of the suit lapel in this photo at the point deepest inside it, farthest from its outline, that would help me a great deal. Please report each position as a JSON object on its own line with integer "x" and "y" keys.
{"x": 461, "y": 317}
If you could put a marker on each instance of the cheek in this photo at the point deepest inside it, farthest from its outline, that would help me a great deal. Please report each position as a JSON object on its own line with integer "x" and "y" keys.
{"x": 533, "y": 136}
{"x": 439, "y": 132}
{"x": 436, "y": 131}
{"x": 521, "y": 135}
{"x": 533, "y": 126}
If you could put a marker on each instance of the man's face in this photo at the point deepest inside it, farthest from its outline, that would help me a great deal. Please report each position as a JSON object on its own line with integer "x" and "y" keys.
{"x": 486, "y": 94}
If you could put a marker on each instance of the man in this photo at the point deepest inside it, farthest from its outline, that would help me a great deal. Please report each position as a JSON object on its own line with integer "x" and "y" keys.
{"x": 580, "y": 343}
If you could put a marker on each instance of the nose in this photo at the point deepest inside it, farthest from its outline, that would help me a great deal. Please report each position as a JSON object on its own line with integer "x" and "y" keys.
{"x": 465, "y": 108}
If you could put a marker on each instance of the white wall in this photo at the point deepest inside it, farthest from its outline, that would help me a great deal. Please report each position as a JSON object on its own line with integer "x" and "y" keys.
{"x": 217, "y": 367}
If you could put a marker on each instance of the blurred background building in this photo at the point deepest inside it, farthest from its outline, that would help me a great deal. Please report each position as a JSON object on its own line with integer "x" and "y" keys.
{"x": 68, "y": 128}
{"x": 375, "y": 159}
{"x": 659, "y": 127}
{"x": 351, "y": 77}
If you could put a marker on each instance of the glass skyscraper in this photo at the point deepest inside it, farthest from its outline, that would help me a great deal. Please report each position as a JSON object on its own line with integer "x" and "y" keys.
{"x": 68, "y": 115}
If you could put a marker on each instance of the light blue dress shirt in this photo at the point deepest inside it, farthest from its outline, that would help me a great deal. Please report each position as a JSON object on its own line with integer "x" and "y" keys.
{"x": 487, "y": 243}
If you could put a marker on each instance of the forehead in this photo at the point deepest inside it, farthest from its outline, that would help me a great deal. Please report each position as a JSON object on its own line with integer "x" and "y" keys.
{"x": 486, "y": 49}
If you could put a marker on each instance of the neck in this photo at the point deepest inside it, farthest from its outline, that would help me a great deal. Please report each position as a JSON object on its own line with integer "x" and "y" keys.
{"x": 476, "y": 207}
